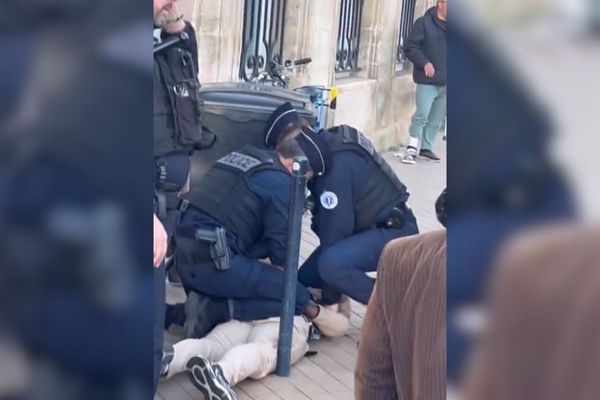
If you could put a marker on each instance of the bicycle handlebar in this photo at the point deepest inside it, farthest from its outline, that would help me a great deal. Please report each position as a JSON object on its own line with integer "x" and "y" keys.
{"x": 303, "y": 61}
{"x": 279, "y": 73}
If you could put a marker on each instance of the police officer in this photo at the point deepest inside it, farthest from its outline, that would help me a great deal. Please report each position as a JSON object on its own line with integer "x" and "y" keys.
{"x": 178, "y": 132}
{"x": 247, "y": 192}
{"x": 360, "y": 206}
{"x": 178, "y": 129}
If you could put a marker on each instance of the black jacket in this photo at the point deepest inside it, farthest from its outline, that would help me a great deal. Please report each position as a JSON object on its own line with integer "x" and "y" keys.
{"x": 427, "y": 43}
{"x": 190, "y": 45}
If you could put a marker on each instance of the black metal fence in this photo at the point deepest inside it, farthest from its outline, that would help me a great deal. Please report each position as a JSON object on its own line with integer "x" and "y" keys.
{"x": 406, "y": 22}
{"x": 262, "y": 36}
{"x": 349, "y": 35}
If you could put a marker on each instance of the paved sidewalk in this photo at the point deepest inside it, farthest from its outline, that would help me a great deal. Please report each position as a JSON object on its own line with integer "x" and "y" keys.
{"x": 328, "y": 375}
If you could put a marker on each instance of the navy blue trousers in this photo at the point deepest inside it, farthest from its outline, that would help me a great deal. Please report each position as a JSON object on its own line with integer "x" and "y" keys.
{"x": 341, "y": 268}
{"x": 255, "y": 287}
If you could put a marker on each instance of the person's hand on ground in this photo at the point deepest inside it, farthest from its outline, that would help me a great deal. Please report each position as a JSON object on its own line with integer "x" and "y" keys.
{"x": 429, "y": 70}
{"x": 160, "y": 242}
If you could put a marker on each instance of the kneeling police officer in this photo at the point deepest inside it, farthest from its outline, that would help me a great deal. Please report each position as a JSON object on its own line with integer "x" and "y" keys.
{"x": 360, "y": 205}
{"x": 236, "y": 216}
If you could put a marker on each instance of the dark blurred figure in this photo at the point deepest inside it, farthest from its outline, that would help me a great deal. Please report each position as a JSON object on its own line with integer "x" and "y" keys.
{"x": 14, "y": 71}
{"x": 75, "y": 205}
{"x": 402, "y": 351}
{"x": 542, "y": 339}
{"x": 178, "y": 131}
{"x": 500, "y": 175}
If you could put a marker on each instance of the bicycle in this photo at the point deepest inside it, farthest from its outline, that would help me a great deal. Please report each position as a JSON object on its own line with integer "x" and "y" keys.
{"x": 320, "y": 96}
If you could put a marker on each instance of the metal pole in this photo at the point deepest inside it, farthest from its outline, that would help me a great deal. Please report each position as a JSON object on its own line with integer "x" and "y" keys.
{"x": 286, "y": 326}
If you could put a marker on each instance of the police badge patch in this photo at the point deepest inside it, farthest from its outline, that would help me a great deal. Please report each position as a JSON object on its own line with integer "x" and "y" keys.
{"x": 329, "y": 200}
{"x": 239, "y": 161}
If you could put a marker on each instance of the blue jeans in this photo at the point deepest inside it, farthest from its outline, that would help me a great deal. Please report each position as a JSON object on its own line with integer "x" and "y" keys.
{"x": 342, "y": 267}
{"x": 431, "y": 111}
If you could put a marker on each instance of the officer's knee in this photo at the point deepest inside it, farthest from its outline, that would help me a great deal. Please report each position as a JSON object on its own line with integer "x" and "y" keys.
{"x": 329, "y": 268}
{"x": 303, "y": 298}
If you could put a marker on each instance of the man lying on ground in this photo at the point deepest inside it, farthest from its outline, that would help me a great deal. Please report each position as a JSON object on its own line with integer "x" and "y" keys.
{"x": 234, "y": 351}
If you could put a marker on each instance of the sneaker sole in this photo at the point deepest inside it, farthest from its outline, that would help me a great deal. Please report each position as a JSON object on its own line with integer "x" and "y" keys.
{"x": 203, "y": 377}
{"x": 168, "y": 356}
{"x": 429, "y": 159}
{"x": 403, "y": 161}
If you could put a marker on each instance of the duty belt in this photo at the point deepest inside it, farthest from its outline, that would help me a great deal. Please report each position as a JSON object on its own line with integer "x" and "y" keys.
{"x": 397, "y": 218}
{"x": 168, "y": 201}
{"x": 207, "y": 245}
{"x": 162, "y": 180}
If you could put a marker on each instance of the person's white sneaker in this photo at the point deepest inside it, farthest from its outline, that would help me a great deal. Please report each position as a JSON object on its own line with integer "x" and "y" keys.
{"x": 208, "y": 378}
{"x": 408, "y": 159}
{"x": 409, "y": 156}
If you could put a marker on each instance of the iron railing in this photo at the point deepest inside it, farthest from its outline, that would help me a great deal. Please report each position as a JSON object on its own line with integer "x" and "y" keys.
{"x": 407, "y": 19}
{"x": 349, "y": 35}
{"x": 262, "y": 36}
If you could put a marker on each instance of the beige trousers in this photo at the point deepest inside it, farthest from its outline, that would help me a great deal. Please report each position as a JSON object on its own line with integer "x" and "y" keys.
{"x": 242, "y": 349}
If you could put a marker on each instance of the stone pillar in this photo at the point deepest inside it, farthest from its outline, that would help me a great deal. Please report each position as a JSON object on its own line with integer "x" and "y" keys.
{"x": 324, "y": 18}
{"x": 384, "y": 67}
{"x": 219, "y": 25}
{"x": 370, "y": 31}
{"x": 295, "y": 37}
{"x": 311, "y": 31}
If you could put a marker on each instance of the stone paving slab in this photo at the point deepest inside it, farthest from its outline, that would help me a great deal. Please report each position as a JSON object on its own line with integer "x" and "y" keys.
{"x": 328, "y": 375}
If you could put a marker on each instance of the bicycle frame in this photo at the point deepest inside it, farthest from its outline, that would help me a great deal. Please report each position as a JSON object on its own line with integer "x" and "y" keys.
{"x": 321, "y": 97}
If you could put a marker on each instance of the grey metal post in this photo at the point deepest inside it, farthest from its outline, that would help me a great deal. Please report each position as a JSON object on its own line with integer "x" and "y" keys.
{"x": 286, "y": 326}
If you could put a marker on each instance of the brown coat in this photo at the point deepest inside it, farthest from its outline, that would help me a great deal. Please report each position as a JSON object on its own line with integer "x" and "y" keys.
{"x": 402, "y": 352}
{"x": 543, "y": 337}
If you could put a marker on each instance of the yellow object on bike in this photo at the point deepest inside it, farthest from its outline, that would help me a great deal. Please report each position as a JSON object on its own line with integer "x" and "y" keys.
{"x": 333, "y": 94}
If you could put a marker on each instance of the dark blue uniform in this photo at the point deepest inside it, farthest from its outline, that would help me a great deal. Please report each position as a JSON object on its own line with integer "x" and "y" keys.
{"x": 348, "y": 251}
{"x": 174, "y": 141}
{"x": 255, "y": 287}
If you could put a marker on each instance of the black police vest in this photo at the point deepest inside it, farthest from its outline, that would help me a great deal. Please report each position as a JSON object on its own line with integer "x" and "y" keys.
{"x": 224, "y": 195}
{"x": 177, "y": 108}
{"x": 383, "y": 189}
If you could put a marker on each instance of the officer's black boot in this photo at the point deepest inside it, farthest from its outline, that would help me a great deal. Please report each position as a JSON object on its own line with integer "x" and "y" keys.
{"x": 174, "y": 315}
{"x": 203, "y": 313}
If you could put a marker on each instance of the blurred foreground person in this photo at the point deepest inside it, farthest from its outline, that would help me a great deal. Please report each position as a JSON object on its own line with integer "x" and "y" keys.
{"x": 402, "y": 352}
{"x": 542, "y": 338}
{"x": 511, "y": 184}
{"x": 178, "y": 132}
{"x": 76, "y": 282}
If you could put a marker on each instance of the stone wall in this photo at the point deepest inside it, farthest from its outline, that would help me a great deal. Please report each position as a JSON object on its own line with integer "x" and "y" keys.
{"x": 377, "y": 99}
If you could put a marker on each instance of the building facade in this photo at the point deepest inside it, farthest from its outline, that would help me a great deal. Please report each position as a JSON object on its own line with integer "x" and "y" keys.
{"x": 355, "y": 45}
